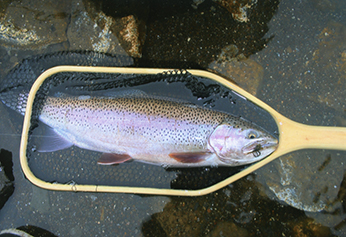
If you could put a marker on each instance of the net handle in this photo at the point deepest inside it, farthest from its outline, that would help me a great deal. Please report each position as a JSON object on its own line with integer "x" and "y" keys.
{"x": 292, "y": 135}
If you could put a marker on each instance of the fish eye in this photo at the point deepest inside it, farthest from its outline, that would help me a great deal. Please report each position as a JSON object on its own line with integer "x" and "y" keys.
{"x": 252, "y": 135}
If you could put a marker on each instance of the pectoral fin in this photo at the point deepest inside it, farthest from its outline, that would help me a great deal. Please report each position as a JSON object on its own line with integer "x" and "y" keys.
{"x": 112, "y": 159}
{"x": 190, "y": 157}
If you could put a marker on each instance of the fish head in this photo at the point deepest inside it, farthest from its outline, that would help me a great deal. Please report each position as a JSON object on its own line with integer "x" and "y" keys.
{"x": 241, "y": 144}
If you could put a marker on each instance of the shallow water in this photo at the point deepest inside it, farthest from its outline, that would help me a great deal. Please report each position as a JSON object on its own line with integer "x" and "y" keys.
{"x": 303, "y": 77}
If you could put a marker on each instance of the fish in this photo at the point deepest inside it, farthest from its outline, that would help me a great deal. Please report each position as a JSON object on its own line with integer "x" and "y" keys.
{"x": 155, "y": 130}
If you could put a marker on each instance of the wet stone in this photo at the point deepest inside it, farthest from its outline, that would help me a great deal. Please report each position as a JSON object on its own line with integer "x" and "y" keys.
{"x": 76, "y": 231}
{"x": 238, "y": 9}
{"x": 127, "y": 30}
{"x": 307, "y": 227}
{"x": 33, "y": 24}
{"x": 116, "y": 35}
{"x": 306, "y": 180}
{"x": 245, "y": 72}
{"x": 228, "y": 229}
{"x": 40, "y": 199}
{"x": 222, "y": 213}
{"x": 329, "y": 59}
{"x": 76, "y": 25}
{"x": 6, "y": 176}
{"x": 94, "y": 28}
{"x": 199, "y": 31}
{"x": 328, "y": 5}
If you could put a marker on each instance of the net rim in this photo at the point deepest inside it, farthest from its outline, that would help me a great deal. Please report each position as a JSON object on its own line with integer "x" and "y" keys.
{"x": 123, "y": 189}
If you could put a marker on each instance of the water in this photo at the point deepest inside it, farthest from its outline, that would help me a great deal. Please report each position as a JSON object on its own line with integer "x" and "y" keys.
{"x": 303, "y": 70}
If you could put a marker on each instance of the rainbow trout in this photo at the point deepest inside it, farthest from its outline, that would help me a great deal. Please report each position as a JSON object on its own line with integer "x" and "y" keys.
{"x": 153, "y": 130}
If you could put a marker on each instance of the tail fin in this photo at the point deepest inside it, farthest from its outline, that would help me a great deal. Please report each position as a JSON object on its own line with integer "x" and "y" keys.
{"x": 15, "y": 99}
{"x": 15, "y": 87}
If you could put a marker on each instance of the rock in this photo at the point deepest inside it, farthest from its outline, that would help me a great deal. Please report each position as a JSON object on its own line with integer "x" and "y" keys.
{"x": 27, "y": 231}
{"x": 306, "y": 181}
{"x": 76, "y": 25}
{"x": 117, "y": 35}
{"x": 40, "y": 200}
{"x": 6, "y": 176}
{"x": 326, "y": 5}
{"x": 34, "y": 24}
{"x": 311, "y": 180}
{"x": 307, "y": 227}
{"x": 127, "y": 29}
{"x": 236, "y": 210}
{"x": 238, "y": 8}
{"x": 179, "y": 220}
{"x": 198, "y": 33}
{"x": 228, "y": 229}
{"x": 95, "y": 30}
{"x": 330, "y": 59}
{"x": 76, "y": 231}
{"x": 245, "y": 72}
{"x": 314, "y": 94}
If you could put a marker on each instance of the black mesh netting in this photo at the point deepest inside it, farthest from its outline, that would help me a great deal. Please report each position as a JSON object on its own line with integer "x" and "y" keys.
{"x": 79, "y": 165}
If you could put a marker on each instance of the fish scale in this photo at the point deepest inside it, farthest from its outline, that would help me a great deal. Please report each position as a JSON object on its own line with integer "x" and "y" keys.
{"x": 152, "y": 130}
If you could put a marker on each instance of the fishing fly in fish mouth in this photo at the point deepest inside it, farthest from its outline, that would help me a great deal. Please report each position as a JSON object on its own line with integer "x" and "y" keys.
{"x": 152, "y": 130}
{"x": 244, "y": 144}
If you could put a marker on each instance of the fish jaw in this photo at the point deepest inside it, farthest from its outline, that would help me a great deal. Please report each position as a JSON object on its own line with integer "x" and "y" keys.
{"x": 259, "y": 149}
{"x": 240, "y": 145}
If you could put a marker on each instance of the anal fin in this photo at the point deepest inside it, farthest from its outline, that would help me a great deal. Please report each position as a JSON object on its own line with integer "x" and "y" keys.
{"x": 113, "y": 159}
{"x": 190, "y": 157}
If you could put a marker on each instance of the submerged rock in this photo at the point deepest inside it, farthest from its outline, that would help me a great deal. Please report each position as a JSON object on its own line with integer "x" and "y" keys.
{"x": 6, "y": 176}
{"x": 40, "y": 200}
{"x": 307, "y": 227}
{"x": 305, "y": 82}
{"x": 245, "y": 72}
{"x": 75, "y": 25}
{"x": 198, "y": 33}
{"x": 238, "y": 8}
{"x": 34, "y": 24}
{"x": 306, "y": 180}
{"x": 330, "y": 59}
{"x": 130, "y": 35}
{"x": 112, "y": 32}
{"x": 94, "y": 28}
{"x": 228, "y": 229}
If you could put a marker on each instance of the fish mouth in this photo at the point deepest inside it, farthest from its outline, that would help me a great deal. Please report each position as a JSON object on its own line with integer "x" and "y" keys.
{"x": 257, "y": 145}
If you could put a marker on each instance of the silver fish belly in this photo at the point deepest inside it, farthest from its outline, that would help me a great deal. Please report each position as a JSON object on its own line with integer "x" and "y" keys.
{"x": 153, "y": 130}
